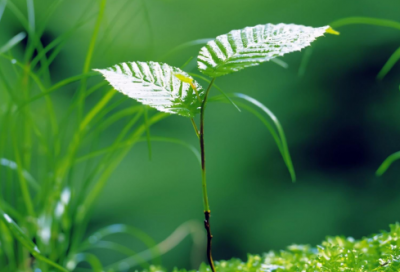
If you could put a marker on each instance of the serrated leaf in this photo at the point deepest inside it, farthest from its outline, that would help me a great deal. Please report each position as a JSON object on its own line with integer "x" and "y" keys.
{"x": 155, "y": 84}
{"x": 253, "y": 45}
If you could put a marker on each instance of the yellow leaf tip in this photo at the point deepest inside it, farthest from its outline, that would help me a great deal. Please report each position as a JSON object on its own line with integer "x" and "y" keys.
{"x": 184, "y": 78}
{"x": 330, "y": 30}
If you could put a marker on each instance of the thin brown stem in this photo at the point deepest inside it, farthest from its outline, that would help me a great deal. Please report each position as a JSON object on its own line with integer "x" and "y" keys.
{"x": 204, "y": 183}
{"x": 209, "y": 238}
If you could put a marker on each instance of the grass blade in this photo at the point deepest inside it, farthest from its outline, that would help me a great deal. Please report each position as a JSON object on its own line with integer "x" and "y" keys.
{"x": 31, "y": 15}
{"x": 109, "y": 169}
{"x": 304, "y": 61}
{"x": 150, "y": 28}
{"x": 389, "y": 64}
{"x": 117, "y": 143}
{"x": 186, "y": 63}
{"x": 57, "y": 86}
{"x": 146, "y": 122}
{"x": 183, "y": 46}
{"x": 105, "y": 123}
{"x": 12, "y": 42}
{"x": 365, "y": 21}
{"x": 88, "y": 59}
{"x": 91, "y": 259}
{"x": 7, "y": 241}
{"x": 121, "y": 228}
{"x": 3, "y": 4}
{"x": 188, "y": 228}
{"x": 14, "y": 166}
{"x": 278, "y": 134}
{"x": 285, "y": 150}
{"x": 176, "y": 141}
{"x": 96, "y": 109}
{"x": 387, "y": 163}
{"x": 120, "y": 249}
{"x": 49, "y": 103}
{"x": 58, "y": 43}
{"x": 280, "y": 63}
{"x": 26, "y": 241}
{"x": 375, "y": 22}
{"x": 23, "y": 182}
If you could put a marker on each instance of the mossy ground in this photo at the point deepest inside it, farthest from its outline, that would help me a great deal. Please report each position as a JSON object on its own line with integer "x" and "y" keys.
{"x": 379, "y": 252}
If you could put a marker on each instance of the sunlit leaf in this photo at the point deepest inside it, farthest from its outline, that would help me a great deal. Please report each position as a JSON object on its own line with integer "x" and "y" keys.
{"x": 204, "y": 41}
{"x": 253, "y": 45}
{"x": 155, "y": 84}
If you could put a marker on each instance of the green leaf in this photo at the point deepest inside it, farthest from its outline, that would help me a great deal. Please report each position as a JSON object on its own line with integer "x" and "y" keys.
{"x": 251, "y": 46}
{"x": 155, "y": 84}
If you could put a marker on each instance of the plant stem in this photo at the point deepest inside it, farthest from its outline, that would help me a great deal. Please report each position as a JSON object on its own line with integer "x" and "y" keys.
{"x": 196, "y": 130}
{"x": 88, "y": 59}
{"x": 207, "y": 211}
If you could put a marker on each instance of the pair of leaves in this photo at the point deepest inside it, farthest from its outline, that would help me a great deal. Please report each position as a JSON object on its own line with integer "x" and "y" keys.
{"x": 171, "y": 90}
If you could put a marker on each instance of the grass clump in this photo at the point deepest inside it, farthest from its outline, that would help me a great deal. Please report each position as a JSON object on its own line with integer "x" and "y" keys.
{"x": 378, "y": 252}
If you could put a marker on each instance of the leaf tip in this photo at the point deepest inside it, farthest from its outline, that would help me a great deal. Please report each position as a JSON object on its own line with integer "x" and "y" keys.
{"x": 184, "y": 78}
{"x": 330, "y": 30}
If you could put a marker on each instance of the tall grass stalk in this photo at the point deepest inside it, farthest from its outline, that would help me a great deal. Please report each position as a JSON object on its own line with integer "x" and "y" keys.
{"x": 52, "y": 170}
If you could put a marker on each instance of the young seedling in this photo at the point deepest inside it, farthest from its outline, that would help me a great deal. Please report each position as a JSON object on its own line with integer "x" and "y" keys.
{"x": 169, "y": 89}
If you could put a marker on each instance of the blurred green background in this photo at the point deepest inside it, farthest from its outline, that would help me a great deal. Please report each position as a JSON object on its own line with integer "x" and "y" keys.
{"x": 340, "y": 123}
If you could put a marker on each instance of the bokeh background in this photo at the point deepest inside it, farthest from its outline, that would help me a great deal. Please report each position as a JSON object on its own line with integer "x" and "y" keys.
{"x": 340, "y": 122}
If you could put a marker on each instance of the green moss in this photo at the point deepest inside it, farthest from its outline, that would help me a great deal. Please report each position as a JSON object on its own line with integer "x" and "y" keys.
{"x": 379, "y": 252}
